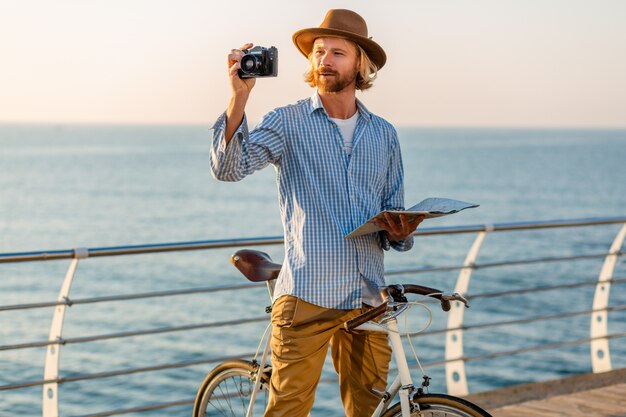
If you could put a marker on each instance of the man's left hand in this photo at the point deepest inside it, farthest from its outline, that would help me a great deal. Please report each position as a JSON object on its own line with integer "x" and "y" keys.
{"x": 398, "y": 231}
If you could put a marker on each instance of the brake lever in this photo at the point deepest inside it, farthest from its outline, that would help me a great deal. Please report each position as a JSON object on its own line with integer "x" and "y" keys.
{"x": 455, "y": 297}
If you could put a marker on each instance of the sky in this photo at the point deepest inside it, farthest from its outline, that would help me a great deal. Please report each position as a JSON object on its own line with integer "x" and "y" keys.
{"x": 464, "y": 63}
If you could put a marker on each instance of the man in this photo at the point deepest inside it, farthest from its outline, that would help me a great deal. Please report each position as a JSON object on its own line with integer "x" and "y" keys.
{"x": 337, "y": 165}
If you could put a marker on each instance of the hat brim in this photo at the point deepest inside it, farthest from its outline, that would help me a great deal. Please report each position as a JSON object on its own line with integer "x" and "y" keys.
{"x": 304, "y": 38}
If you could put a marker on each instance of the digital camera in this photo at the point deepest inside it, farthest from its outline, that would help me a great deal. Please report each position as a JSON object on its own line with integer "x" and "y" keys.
{"x": 259, "y": 62}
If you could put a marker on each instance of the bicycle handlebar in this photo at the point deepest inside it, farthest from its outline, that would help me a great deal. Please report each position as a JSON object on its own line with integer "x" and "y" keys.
{"x": 365, "y": 317}
{"x": 396, "y": 293}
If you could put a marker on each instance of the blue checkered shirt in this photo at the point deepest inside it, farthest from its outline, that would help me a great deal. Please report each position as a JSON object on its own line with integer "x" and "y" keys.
{"x": 324, "y": 194}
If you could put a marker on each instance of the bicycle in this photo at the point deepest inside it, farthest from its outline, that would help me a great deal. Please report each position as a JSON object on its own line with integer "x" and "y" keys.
{"x": 232, "y": 388}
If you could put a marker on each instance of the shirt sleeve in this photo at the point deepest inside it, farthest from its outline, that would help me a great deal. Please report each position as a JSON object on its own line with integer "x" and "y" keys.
{"x": 400, "y": 246}
{"x": 247, "y": 151}
{"x": 393, "y": 195}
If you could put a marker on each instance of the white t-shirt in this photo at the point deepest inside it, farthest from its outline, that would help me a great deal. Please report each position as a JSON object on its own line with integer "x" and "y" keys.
{"x": 347, "y": 127}
{"x": 369, "y": 295}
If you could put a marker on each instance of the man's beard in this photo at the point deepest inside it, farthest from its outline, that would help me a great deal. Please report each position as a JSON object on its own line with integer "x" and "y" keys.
{"x": 333, "y": 84}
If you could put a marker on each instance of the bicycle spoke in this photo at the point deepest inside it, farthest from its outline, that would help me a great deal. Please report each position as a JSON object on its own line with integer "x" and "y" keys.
{"x": 243, "y": 397}
{"x": 227, "y": 392}
{"x": 228, "y": 399}
{"x": 226, "y": 396}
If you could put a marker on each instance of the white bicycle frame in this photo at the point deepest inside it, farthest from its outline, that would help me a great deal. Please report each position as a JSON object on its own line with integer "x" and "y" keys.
{"x": 266, "y": 350}
{"x": 401, "y": 385}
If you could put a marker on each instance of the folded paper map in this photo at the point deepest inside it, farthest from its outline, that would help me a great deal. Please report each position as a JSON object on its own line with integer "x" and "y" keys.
{"x": 430, "y": 207}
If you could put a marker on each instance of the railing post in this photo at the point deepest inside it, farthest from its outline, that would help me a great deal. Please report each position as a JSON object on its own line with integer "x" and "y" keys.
{"x": 600, "y": 354}
{"x": 50, "y": 402}
{"x": 456, "y": 378}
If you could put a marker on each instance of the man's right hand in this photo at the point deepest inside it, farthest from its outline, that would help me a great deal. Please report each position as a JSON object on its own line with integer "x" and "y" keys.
{"x": 240, "y": 88}
{"x": 239, "y": 85}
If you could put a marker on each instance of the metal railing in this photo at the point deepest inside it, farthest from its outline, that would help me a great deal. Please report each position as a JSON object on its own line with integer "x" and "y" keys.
{"x": 455, "y": 359}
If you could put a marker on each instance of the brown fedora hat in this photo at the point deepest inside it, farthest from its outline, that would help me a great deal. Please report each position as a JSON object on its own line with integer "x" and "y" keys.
{"x": 344, "y": 24}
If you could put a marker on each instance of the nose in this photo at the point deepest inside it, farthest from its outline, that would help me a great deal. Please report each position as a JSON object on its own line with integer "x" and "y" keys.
{"x": 326, "y": 60}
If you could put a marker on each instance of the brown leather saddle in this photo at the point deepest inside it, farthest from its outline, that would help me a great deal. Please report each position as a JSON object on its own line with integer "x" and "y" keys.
{"x": 255, "y": 265}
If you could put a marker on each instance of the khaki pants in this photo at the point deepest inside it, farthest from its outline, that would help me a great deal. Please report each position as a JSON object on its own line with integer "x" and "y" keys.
{"x": 301, "y": 334}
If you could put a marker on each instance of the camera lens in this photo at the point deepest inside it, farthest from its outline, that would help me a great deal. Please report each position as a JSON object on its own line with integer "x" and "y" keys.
{"x": 248, "y": 63}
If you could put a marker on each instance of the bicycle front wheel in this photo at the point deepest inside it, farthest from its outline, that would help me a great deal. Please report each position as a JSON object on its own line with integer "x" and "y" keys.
{"x": 227, "y": 389}
{"x": 440, "y": 405}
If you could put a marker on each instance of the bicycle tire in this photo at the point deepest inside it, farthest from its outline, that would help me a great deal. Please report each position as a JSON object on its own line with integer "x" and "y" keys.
{"x": 440, "y": 405}
{"x": 226, "y": 391}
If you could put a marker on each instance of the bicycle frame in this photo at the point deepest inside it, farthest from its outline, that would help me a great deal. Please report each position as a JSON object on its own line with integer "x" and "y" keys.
{"x": 259, "y": 376}
{"x": 401, "y": 385}
{"x": 257, "y": 383}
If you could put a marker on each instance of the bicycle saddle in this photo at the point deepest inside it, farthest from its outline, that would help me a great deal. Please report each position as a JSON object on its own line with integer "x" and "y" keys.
{"x": 255, "y": 265}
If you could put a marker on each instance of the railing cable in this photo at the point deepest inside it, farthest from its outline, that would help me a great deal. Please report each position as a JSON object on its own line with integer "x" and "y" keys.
{"x": 520, "y": 321}
{"x": 503, "y": 263}
{"x": 126, "y": 297}
{"x": 120, "y": 372}
{"x": 541, "y": 289}
{"x": 135, "y": 333}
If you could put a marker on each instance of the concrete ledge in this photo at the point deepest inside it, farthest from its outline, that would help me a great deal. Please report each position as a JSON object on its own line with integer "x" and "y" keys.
{"x": 517, "y": 394}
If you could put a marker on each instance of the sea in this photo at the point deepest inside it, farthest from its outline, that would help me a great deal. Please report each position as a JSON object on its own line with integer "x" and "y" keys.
{"x": 94, "y": 186}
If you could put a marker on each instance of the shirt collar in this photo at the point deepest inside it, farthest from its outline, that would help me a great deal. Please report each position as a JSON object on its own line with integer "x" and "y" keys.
{"x": 316, "y": 103}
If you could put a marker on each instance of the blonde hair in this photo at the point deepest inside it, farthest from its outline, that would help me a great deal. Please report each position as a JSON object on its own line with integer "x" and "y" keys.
{"x": 367, "y": 70}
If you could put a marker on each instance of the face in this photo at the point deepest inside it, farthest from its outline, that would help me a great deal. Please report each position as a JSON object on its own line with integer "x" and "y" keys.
{"x": 335, "y": 64}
